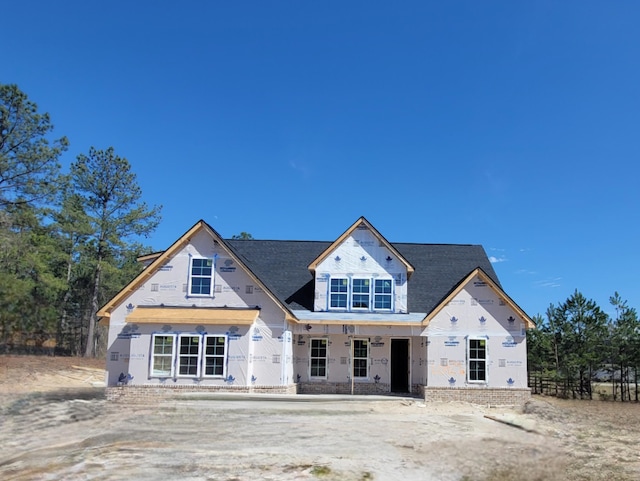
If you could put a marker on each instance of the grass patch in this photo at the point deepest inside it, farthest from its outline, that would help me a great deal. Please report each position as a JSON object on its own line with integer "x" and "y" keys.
{"x": 320, "y": 471}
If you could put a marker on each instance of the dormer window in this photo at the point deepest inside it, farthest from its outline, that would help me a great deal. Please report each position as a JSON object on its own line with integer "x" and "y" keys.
{"x": 361, "y": 294}
{"x": 382, "y": 294}
{"x": 339, "y": 293}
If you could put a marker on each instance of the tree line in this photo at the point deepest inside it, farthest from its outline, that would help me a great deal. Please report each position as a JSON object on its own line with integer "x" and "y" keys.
{"x": 577, "y": 344}
{"x": 68, "y": 240}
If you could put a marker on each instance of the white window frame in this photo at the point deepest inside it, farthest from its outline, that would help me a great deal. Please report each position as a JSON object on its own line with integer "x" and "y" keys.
{"x": 376, "y": 294}
{"x": 198, "y": 276}
{"x": 478, "y": 359}
{"x": 179, "y": 355}
{"x": 353, "y": 293}
{"x": 205, "y": 356}
{"x": 325, "y": 342}
{"x": 171, "y": 356}
{"x": 353, "y": 358}
{"x": 345, "y": 280}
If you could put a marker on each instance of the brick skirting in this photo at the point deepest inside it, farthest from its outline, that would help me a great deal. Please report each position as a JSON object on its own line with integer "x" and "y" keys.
{"x": 488, "y": 396}
{"x": 321, "y": 387}
{"x": 152, "y": 392}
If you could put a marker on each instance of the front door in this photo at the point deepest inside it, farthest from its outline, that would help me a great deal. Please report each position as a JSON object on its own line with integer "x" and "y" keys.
{"x": 400, "y": 365}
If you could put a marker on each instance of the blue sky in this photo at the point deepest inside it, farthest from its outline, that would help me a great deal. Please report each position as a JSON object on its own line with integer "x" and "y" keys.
{"x": 512, "y": 124}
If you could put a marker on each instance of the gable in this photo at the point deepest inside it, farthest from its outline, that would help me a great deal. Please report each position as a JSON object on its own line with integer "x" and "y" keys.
{"x": 476, "y": 285}
{"x": 174, "y": 268}
{"x": 363, "y": 231}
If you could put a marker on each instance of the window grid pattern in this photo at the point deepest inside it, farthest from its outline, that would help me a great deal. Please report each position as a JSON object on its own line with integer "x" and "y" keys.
{"x": 189, "y": 356}
{"x": 318, "y": 358}
{"x": 360, "y": 358}
{"x": 360, "y": 294}
{"x": 382, "y": 294}
{"x": 214, "y": 355}
{"x": 201, "y": 276}
{"x": 162, "y": 356}
{"x": 338, "y": 294}
{"x": 477, "y": 360}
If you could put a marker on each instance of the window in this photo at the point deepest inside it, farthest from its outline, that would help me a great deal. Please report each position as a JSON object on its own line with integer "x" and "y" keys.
{"x": 382, "y": 294}
{"x": 214, "y": 356}
{"x": 189, "y": 357}
{"x": 360, "y": 294}
{"x": 339, "y": 288}
{"x": 477, "y": 360}
{"x": 162, "y": 358}
{"x": 318, "y": 358}
{"x": 360, "y": 358}
{"x": 357, "y": 294}
{"x": 201, "y": 277}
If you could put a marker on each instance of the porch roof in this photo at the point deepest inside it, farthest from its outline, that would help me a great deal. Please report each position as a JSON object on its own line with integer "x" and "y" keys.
{"x": 370, "y": 318}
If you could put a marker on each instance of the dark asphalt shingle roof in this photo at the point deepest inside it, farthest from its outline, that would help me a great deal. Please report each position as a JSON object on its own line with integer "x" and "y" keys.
{"x": 282, "y": 267}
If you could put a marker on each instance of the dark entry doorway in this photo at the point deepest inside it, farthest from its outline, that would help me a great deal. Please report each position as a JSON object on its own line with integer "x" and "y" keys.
{"x": 400, "y": 365}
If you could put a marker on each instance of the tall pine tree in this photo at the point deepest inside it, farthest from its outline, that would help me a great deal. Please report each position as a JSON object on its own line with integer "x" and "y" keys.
{"x": 112, "y": 200}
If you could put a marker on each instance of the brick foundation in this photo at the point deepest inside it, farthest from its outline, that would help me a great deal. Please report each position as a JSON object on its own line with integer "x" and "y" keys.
{"x": 345, "y": 388}
{"x": 487, "y": 396}
{"x": 147, "y": 393}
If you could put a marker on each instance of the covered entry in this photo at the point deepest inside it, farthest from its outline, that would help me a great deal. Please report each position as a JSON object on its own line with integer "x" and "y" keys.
{"x": 400, "y": 365}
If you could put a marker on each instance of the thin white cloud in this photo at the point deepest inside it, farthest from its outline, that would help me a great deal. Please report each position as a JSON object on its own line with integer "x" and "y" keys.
{"x": 303, "y": 169}
{"x": 495, "y": 260}
{"x": 525, "y": 271}
{"x": 551, "y": 283}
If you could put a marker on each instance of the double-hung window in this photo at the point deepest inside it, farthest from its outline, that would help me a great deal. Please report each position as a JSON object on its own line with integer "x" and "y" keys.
{"x": 360, "y": 293}
{"x": 339, "y": 289}
{"x": 318, "y": 358}
{"x": 360, "y": 358}
{"x": 477, "y": 369}
{"x": 201, "y": 278}
{"x": 163, "y": 352}
{"x": 214, "y": 356}
{"x": 382, "y": 294}
{"x": 189, "y": 355}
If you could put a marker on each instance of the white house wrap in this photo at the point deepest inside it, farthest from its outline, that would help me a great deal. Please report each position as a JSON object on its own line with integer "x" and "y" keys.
{"x": 358, "y": 315}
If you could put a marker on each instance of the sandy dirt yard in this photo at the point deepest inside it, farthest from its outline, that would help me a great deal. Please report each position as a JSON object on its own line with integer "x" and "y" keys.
{"x": 56, "y": 425}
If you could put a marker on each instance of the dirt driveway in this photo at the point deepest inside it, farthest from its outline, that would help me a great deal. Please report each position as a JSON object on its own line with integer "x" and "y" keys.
{"x": 55, "y": 425}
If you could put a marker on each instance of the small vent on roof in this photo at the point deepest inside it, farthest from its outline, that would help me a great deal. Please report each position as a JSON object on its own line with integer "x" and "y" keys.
{"x": 389, "y": 259}
{"x": 337, "y": 259}
{"x": 363, "y": 258}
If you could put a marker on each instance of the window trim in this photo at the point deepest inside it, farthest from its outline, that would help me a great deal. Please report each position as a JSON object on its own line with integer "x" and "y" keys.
{"x": 223, "y": 356}
{"x": 171, "y": 356}
{"x": 325, "y": 358}
{"x": 390, "y": 294}
{"x": 367, "y": 359}
{"x": 353, "y": 294}
{"x": 176, "y": 356}
{"x": 477, "y": 359}
{"x": 339, "y": 293}
{"x": 349, "y": 293}
{"x": 179, "y": 355}
{"x": 191, "y": 277}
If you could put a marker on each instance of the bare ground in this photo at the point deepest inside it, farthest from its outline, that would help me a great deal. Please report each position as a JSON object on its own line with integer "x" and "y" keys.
{"x": 55, "y": 424}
